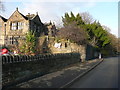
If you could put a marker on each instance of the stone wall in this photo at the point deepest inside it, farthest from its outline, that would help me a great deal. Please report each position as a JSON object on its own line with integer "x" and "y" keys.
{"x": 91, "y": 52}
{"x": 86, "y": 51}
{"x": 17, "y": 69}
{"x": 69, "y": 47}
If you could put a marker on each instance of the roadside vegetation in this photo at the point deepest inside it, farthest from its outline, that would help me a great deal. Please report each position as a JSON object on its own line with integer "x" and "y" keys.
{"x": 83, "y": 29}
{"x": 28, "y": 47}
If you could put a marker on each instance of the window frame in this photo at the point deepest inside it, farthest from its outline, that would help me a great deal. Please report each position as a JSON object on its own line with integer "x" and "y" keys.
{"x": 17, "y": 25}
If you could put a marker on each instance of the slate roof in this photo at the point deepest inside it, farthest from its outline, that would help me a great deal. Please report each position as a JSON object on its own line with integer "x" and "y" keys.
{"x": 4, "y": 19}
{"x": 24, "y": 16}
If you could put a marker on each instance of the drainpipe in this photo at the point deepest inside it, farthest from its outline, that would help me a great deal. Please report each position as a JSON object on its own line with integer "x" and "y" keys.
{"x": 5, "y": 35}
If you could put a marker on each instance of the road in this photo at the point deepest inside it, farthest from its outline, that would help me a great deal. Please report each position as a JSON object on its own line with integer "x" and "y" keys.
{"x": 104, "y": 75}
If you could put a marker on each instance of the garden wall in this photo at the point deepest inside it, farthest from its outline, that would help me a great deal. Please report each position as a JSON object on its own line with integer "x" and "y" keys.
{"x": 17, "y": 69}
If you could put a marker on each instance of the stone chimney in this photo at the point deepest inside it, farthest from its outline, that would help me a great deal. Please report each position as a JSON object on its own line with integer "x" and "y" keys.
{"x": 17, "y": 9}
{"x": 28, "y": 13}
{"x": 36, "y": 13}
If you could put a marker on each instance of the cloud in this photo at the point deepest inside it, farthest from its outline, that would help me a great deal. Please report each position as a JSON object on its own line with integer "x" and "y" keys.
{"x": 46, "y": 11}
{"x": 53, "y": 10}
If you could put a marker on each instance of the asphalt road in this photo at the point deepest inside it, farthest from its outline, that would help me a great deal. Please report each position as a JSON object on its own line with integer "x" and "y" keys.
{"x": 104, "y": 75}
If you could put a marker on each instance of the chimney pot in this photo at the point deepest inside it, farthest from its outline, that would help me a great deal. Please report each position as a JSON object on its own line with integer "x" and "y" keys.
{"x": 36, "y": 13}
{"x": 17, "y": 8}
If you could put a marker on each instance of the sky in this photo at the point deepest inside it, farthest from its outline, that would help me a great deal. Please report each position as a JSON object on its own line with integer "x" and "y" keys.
{"x": 104, "y": 11}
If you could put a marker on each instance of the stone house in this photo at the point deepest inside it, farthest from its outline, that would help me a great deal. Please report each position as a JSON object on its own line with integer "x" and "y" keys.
{"x": 52, "y": 30}
{"x": 2, "y": 30}
{"x": 17, "y": 25}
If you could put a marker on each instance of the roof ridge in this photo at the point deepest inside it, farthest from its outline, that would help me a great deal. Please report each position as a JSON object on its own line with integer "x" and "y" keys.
{"x": 24, "y": 16}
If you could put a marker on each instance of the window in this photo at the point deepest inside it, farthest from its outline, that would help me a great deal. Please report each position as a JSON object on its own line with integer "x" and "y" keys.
{"x": 20, "y": 25}
{"x": 38, "y": 29}
{"x": 34, "y": 27}
{"x": 16, "y": 25}
{"x": 13, "y": 40}
{"x": 65, "y": 45}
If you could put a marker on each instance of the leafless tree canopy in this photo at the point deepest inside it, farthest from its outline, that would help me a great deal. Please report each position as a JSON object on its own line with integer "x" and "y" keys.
{"x": 87, "y": 18}
{"x": 115, "y": 42}
{"x": 74, "y": 33}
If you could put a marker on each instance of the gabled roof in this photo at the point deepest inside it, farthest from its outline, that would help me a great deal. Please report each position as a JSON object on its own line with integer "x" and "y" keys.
{"x": 24, "y": 16}
{"x": 4, "y": 19}
{"x": 20, "y": 14}
{"x": 27, "y": 17}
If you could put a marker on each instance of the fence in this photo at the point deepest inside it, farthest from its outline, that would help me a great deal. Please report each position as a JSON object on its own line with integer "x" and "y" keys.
{"x": 17, "y": 69}
{"x": 27, "y": 58}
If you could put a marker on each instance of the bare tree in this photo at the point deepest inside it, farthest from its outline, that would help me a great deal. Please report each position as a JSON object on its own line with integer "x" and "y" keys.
{"x": 118, "y": 47}
{"x": 115, "y": 42}
{"x": 73, "y": 33}
{"x": 87, "y": 18}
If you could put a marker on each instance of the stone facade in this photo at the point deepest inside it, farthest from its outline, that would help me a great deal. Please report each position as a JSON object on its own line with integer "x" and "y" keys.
{"x": 86, "y": 51}
{"x": 2, "y": 30}
{"x": 18, "y": 25}
{"x": 67, "y": 47}
{"x": 51, "y": 29}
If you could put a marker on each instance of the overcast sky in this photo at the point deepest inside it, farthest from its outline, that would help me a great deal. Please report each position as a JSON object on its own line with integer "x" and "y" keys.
{"x": 105, "y": 11}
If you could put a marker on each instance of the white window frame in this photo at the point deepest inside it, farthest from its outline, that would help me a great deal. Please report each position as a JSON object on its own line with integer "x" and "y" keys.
{"x": 17, "y": 25}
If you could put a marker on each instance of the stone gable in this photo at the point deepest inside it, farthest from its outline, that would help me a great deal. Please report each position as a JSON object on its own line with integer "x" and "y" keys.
{"x": 16, "y": 16}
{"x": 18, "y": 25}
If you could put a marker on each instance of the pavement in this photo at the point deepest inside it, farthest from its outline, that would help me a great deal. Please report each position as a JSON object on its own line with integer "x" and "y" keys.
{"x": 62, "y": 78}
